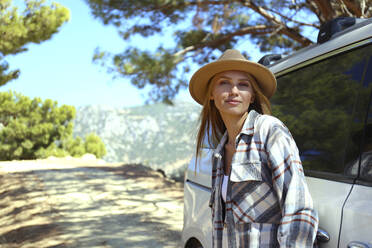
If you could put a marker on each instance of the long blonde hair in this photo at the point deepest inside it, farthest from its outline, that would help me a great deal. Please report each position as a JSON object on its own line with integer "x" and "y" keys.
{"x": 211, "y": 124}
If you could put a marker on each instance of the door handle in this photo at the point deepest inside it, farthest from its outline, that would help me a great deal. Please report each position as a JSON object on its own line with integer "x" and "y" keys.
{"x": 322, "y": 236}
{"x": 358, "y": 244}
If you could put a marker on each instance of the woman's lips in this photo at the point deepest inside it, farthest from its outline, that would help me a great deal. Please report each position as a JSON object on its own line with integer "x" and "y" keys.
{"x": 233, "y": 102}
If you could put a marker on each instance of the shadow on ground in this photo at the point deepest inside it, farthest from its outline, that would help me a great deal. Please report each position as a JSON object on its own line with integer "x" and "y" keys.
{"x": 94, "y": 206}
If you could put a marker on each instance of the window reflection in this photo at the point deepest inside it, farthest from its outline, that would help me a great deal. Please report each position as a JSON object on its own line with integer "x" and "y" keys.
{"x": 323, "y": 104}
{"x": 365, "y": 160}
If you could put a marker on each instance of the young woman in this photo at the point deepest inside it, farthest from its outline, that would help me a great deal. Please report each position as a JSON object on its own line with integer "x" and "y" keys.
{"x": 259, "y": 195}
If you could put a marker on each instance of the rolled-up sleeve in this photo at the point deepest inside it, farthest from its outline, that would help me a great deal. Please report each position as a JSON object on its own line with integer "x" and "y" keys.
{"x": 299, "y": 222}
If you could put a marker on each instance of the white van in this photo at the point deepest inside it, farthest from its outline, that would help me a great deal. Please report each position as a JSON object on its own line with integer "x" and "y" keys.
{"x": 324, "y": 97}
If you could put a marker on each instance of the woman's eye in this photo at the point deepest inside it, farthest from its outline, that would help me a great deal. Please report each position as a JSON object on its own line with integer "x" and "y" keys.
{"x": 244, "y": 84}
{"x": 224, "y": 82}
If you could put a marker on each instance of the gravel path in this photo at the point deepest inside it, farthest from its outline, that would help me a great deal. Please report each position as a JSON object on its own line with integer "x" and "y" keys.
{"x": 59, "y": 203}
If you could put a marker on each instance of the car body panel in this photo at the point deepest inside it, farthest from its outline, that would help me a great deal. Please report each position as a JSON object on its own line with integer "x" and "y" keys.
{"x": 201, "y": 173}
{"x": 197, "y": 189}
{"x": 196, "y": 197}
{"x": 328, "y": 197}
{"x": 357, "y": 217}
{"x": 318, "y": 50}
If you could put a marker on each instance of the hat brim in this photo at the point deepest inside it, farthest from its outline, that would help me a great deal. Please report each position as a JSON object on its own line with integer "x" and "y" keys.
{"x": 199, "y": 81}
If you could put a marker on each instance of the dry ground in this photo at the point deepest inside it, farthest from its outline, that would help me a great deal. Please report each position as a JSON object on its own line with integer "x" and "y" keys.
{"x": 86, "y": 203}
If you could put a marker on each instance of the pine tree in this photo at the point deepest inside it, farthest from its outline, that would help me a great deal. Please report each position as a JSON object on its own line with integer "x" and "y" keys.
{"x": 37, "y": 23}
{"x": 32, "y": 128}
{"x": 203, "y": 29}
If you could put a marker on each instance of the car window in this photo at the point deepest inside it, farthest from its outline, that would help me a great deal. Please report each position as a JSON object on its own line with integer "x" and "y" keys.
{"x": 319, "y": 105}
{"x": 366, "y": 157}
{"x": 362, "y": 166}
{"x": 359, "y": 155}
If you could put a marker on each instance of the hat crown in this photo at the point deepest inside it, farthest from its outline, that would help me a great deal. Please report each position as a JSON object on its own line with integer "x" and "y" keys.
{"x": 232, "y": 54}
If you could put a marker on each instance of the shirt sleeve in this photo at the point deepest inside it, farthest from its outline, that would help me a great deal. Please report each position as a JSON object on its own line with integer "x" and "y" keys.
{"x": 299, "y": 221}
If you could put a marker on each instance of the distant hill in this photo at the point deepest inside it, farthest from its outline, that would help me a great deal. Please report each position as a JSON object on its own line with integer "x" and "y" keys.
{"x": 158, "y": 135}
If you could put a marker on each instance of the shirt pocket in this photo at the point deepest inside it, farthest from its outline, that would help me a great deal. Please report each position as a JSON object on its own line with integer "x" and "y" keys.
{"x": 252, "y": 199}
{"x": 246, "y": 171}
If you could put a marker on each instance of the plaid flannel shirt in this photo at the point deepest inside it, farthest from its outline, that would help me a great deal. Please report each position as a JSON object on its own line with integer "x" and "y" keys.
{"x": 268, "y": 203}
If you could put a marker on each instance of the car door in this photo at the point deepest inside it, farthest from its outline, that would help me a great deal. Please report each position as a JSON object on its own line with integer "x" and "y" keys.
{"x": 197, "y": 191}
{"x": 356, "y": 228}
{"x": 197, "y": 223}
{"x": 317, "y": 101}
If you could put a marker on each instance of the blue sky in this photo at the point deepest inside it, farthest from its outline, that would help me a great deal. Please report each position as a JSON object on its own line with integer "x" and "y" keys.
{"x": 61, "y": 68}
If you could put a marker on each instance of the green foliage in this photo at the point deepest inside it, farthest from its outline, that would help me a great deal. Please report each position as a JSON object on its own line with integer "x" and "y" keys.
{"x": 37, "y": 23}
{"x": 74, "y": 146}
{"x": 202, "y": 29}
{"x": 192, "y": 37}
{"x": 94, "y": 145}
{"x": 32, "y": 128}
{"x": 51, "y": 150}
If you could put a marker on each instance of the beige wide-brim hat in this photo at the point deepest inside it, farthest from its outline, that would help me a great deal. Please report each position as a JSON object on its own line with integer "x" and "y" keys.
{"x": 231, "y": 60}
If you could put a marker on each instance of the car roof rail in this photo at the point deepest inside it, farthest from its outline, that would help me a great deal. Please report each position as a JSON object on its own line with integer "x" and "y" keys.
{"x": 267, "y": 59}
{"x": 328, "y": 29}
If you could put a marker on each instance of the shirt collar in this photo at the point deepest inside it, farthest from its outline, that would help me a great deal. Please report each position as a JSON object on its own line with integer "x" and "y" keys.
{"x": 248, "y": 126}
{"x": 220, "y": 146}
{"x": 248, "y": 129}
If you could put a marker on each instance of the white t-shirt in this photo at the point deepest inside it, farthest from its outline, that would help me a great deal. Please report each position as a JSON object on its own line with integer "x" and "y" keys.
{"x": 224, "y": 187}
{"x": 224, "y": 193}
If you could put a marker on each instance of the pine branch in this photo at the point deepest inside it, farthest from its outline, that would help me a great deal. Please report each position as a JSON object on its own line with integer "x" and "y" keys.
{"x": 291, "y": 19}
{"x": 351, "y": 7}
{"x": 191, "y": 3}
{"x": 325, "y": 8}
{"x": 259, "y": 29}
{"x": 313, "y": 8}
{"x": 290, "y": 32}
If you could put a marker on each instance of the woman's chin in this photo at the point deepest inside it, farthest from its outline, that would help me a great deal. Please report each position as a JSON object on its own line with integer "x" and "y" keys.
{"x": 234, "y": 112}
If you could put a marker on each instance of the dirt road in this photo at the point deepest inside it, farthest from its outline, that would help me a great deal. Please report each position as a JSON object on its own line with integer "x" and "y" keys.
{"x": 59, "y": 203}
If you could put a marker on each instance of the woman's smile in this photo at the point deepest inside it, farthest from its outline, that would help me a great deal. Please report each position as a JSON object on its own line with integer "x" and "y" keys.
{"x": 233, "y": 102}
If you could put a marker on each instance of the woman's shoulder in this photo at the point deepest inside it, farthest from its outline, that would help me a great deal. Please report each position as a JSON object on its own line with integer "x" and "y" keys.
{"x": 269, "y": 122}
{"x": 264, "y": 125}
{"x": 268, "y": 125}
{"x": 270, "y": 130}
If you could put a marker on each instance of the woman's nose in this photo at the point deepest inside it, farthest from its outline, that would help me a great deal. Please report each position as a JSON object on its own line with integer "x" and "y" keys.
{"x": 234, "y": 89}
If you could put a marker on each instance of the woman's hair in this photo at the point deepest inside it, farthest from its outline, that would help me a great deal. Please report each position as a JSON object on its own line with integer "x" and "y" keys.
{"x": 211, "y": 125}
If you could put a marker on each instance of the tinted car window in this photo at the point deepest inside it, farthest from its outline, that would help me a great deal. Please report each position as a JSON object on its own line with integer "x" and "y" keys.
{"x": 366, "y": 157}
{"x": 319, "y": 105}
{"x": 362, "y": 166}
{"x": 359, "y": 156}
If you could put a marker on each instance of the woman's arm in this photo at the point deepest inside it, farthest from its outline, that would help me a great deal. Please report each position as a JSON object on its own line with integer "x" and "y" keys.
{"x": 299, "y": 222}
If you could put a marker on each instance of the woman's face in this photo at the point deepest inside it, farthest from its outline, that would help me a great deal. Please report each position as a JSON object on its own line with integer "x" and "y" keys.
{"x": 232, "y": 93}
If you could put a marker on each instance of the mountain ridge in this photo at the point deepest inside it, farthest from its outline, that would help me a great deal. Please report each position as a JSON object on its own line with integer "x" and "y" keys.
{"x": 159, "y": 136}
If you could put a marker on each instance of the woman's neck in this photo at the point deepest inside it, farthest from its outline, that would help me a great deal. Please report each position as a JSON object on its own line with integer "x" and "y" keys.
{"x": 234, "y": 125}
